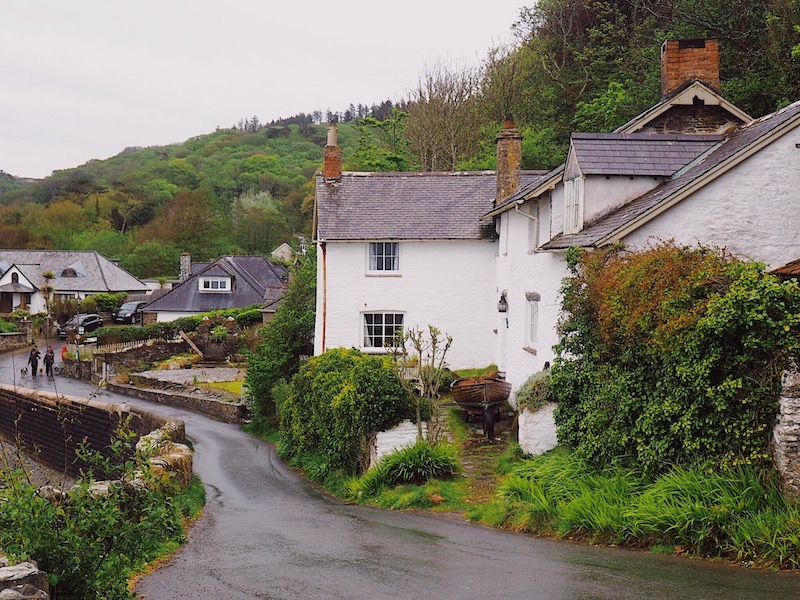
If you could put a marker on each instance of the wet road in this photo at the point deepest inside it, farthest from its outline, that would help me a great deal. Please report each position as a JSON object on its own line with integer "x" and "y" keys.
{"x": 266, "y": 533}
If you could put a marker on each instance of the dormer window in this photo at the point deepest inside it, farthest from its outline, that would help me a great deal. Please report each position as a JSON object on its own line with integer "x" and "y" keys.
{"x": 214, "y": 284}
{"x": 573, "y": 205}
{"x": 69, "y": 272}
{"x": 15, "y": 278}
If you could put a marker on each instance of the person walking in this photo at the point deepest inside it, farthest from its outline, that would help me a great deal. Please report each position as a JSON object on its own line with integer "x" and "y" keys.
{"x": 33, "y": 360}
{"x": 49, "y": 359}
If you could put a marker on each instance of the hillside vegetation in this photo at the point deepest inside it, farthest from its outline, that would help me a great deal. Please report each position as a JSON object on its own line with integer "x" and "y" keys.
{"x": 585, "y": 65}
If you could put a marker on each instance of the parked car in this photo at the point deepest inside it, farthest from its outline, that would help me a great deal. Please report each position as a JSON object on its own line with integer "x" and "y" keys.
{"x": 130, "y": 312}
{"x": 81, "y": 323}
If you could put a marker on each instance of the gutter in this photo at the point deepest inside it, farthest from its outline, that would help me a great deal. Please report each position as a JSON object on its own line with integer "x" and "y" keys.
{"x": 324, "y": 251}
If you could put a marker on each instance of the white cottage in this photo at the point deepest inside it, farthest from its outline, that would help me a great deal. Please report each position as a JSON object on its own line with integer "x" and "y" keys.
{"x": 406, "y": 250}
{"x": 693, "y": 168}
{"x": 76, "y": 275}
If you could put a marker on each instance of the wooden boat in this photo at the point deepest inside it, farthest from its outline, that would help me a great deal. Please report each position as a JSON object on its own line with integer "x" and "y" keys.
{"x": 480, "y": 392}
{"x": 481, "y": 395}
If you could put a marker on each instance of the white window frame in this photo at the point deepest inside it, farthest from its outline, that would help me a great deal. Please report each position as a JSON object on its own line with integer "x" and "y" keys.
{"x": 377, "y": 258}
{"x": 370, "y": 336}
{"x": 218, "y": 285}
{"x": 573, "y": 205}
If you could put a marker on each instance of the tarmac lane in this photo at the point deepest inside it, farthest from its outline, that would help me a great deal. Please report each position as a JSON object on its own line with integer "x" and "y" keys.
{"x": 267, "y": 533}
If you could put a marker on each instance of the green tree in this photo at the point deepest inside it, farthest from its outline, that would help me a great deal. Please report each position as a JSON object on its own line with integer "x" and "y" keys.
{"x": 152, "y": 259}
{"x": 382, "y": 145}
{"x": 285, "y": 339}
{"x": 671, "y": 356}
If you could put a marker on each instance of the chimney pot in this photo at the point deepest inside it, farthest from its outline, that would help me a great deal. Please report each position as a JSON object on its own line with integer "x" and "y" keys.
{"x": 509, "y": 158}
{"x": 332, "y": 156}
{"x": 683, "y": 61}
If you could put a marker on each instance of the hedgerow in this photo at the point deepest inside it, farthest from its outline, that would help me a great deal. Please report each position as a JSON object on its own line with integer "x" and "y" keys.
{"x": 335, "y": 403}
{"x": 671, "y": 355}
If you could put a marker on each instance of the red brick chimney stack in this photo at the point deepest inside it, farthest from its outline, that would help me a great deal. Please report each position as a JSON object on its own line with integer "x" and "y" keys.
{"x": 509, "y": 158}
{"x": 683, "y": 61}
{"x": 332, "y": 157}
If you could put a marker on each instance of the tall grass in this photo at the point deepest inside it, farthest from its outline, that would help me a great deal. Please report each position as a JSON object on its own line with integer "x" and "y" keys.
{"x": 735, "y": 513}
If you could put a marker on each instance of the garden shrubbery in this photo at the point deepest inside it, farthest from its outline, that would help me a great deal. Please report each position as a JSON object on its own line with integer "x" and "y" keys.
{"x": 90, "y": 543}
{"x": 733, "y": 512}
{"x": 671, "y": 355}
{"x": 8, "y": 327}
{"x": 535, "y": 392}
{"x": 410, "y": 465}
{"x": 335, "y": 404}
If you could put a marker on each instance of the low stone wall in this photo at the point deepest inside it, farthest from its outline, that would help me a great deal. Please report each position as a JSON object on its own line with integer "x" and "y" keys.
{"x": 53, "y": 425}
{"x": 386, "y": 442}
{"x": 537, "y": 430}
{"x": 786, "y": 434}
{"x": 14, "y": 341}
{"x": 227, "y": 412}
{"x": 24, "y": 581}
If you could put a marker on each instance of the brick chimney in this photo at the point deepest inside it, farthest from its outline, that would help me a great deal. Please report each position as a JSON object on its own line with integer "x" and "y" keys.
{"x": 509, "y": 157}
{"x": 332, "y": 157}
{"x": 683, "y": 61}
{"x": 185, "y": 267}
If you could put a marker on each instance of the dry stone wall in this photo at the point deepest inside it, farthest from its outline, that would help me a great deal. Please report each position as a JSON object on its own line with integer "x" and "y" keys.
{"x": 786, "y": 434}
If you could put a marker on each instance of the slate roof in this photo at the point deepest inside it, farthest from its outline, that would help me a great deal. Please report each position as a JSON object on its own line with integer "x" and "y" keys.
{"x": 728, "y": 150}
{"x": 552, "y": 177}
{"x": 95, "y": 273}
{"x": 253, "y": 275}
{"x": 638, "y": 153}
{"x": 414, "y": 205}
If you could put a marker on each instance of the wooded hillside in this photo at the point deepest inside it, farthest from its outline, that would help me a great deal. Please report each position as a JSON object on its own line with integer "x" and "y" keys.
{"x": 585, "y": 65}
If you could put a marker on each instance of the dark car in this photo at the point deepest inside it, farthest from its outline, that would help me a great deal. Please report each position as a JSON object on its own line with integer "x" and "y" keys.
{"x": 81, "y": 323}
{"x": 130, "y": 312}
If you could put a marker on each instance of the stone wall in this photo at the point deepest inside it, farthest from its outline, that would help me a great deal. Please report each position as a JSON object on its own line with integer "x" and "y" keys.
{"x": 53, "y": 425}
{"x": 14, "y": 341}
{"x": 786, "y": 434}
{"x": 537, "y": 430}
{"x": 227, "y": 412}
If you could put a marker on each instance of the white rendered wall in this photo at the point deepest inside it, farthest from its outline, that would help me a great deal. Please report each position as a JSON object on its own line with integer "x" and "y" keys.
{"x": 446, "y": 284}
{"x": 604, "y": 194}
{"x": 164, "y": 316}
{"x": 753, "y": 209}
{"x": 519, "y": 272}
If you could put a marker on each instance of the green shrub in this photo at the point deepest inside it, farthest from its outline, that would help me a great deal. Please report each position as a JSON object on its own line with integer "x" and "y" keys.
{"x": 336, "y": 402}
{"x": 671, "y": 355}
{"x": 88, "y": 305}
{"x": 410, "y": 465}
{"x": 8, "y": 327}
{"x": 535, "y": 392}
{"x": 90, "y": 543}
{"x": 107, "y": 302}
{"x": 248, "y": 318}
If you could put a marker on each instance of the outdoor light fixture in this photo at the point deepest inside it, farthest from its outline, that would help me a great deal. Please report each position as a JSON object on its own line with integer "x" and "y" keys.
{"x": 502, "y": 305}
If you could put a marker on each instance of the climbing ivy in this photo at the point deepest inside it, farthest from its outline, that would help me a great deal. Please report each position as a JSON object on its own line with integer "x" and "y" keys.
{"x": 671, "y": 355}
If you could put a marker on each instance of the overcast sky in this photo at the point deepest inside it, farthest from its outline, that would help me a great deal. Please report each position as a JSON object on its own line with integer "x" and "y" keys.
{"x": 86, "y": 79}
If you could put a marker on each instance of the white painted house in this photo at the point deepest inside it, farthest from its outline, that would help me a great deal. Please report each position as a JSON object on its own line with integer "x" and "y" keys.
{"x": 693, "y": 168}
{"x": 76, "y": 275}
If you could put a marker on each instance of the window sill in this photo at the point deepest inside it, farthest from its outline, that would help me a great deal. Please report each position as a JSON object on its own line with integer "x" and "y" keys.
{"x": 530, "y": 350}
{"x": 373, "y": 350}
{"x": 383, "y": 274}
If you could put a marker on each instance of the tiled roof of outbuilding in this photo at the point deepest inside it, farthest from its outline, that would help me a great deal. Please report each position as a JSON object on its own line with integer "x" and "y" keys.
{"x": 93, "y": 272}
{"x": 414, "y": 205}
{"x": 737, "y": 142}
{"x": 254, "y": 276}
{"x": 638, "y": 153}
